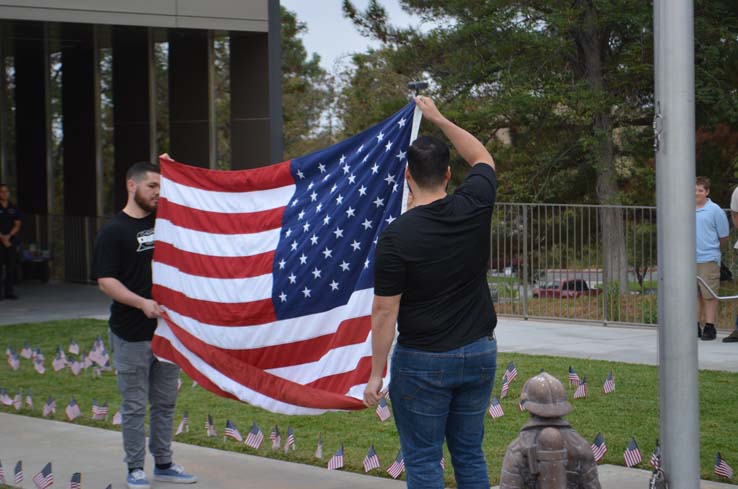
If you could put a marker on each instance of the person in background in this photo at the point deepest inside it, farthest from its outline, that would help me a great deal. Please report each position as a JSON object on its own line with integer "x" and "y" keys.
{"x": 10, "y": 227}
{"x": 711, "y": 233}
{"x": 733, "y": 337}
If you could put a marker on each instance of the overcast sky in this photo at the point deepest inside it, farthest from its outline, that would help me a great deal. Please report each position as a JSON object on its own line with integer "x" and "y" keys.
{"x": 330, "y": 34}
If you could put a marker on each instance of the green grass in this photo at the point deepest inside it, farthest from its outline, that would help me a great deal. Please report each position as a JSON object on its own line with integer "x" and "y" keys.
{"x": 632, "y": 410}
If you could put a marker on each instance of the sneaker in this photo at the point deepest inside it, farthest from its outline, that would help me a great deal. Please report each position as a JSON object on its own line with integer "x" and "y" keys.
{"x": 732, "y": 337}
{"x": 175, "y": 474}
{"x": 137, "y": 480}
{"x": 709, "y": 333}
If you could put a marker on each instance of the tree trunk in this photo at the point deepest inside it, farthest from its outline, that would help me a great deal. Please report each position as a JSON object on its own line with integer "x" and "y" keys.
{"x": 592, "y": 43}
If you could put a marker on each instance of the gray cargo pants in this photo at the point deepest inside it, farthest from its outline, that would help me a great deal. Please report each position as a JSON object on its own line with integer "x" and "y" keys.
{"x": 142, "y": 377}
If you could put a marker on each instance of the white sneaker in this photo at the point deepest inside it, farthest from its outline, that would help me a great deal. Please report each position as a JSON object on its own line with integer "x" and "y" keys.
{"x": 137, "y": 480}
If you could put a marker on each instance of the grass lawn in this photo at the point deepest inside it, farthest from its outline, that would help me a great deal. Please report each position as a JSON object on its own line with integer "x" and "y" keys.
{"x": 632, "y": 410}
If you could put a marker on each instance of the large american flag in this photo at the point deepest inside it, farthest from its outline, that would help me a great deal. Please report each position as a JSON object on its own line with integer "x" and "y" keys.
{"x": 265, "y": 276}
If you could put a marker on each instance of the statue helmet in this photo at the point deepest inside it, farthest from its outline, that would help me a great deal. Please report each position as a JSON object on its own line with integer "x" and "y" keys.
{"x": 544, "y": 396}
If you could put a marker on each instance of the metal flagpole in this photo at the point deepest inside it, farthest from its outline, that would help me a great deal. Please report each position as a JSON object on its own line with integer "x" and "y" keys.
{"x": 674, "y": 127}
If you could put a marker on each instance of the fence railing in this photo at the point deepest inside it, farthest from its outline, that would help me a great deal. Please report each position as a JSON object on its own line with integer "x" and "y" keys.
{"x": 547, "y": 261}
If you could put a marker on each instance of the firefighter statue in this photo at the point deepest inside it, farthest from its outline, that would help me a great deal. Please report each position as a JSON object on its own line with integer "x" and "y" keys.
{"x": 548, "y": 453}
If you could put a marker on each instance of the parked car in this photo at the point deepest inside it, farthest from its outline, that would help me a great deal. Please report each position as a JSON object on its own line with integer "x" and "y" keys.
{"x": 568, "y": 288}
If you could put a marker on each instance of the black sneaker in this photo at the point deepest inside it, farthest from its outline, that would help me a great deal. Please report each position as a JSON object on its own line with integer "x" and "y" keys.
{"x": 732, "y": 337}
{"x": 709, "y": 333}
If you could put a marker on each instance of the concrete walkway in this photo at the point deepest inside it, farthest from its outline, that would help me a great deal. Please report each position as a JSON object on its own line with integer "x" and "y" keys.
{"x": 98, "y": 453}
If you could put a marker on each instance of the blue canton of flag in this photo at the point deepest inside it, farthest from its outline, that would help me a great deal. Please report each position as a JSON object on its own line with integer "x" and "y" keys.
{"x": 345, "y": 196}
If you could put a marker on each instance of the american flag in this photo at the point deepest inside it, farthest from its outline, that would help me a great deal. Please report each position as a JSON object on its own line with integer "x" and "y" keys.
{"x": 18, "y": 400}
{"x": 29, "y": 399}
{"x": 5, "y": 399}
{"x": 599, "y": 448}
{"x": 14, "y": 361}
{"x": 573, "y": 377}
{"x": 371, "y": 461}
{"x": 38, "y": 365}
{"x": 38, "y": 354}
{"x": 45, "y": 478}
{"x": 59, "y": 362}
{"x": 184, "y": 425}
{"x": 49, "y": 407}
{"x": 383, "y": 410}
{"x": 495, "y": 408}
{"x": 18, "y": 473}
{"x": 26, "y": 352}
{"x": 75, "y": 366}
{"x": 655, "y": 460}
{"x": 210, "y": 427}
{"x": 255, "y": 437}
{"x": 319, "y": 448}
{"x": 581, "y": 391}
{"x": 84, "y": 359}
{"x": 76, "y": 481}
{"x": 117, "y": 418}
{"x": 521, "y": 405}
{"x": 397, "y": 467}
{"x": 276, "y": 438}
{"x": 265, "y": 276}
{"x": 232, "y": 432}
{"x": 505, "y": 387}
{"x": 336, "y": 461}
{"x": 73, "y": 347}
{"x": 632, "y": 454}
{"x": 511, "y": 372}
{"x": 290, "y": 443}
{"x": 609, "y": 385}
{"x": 722, "y": 468}
{"x": 2, "y": 474}
{"x": 99, "y": 412}
{"x": 72, "y": 410}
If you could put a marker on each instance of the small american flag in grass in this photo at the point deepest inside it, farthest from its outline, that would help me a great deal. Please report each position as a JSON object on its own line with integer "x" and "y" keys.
{"x": 184, "y": 425}
{"x": 655, "y": 460}
{"x": 117, "y": 418}
{"x": 18, "y": 473}
{"x": 232, "y": 432}
{"x": 511, "y": 372}
{"x": 599, "y": 448}
{"x": 581, "y": 391}
{"x": 210, "y": 427}
{"x": 319, "y": 448}
{"x": 609, "y": 385}
{"x": 290, "y": 443}
{"x": 255, "y": 437}
{"x": 73, "y": 347}
{"x": 72, "y": 410}
{"x": 495, "y": 408}
{"x": 722, "y": 468}
{"x": 49, "y": 407}
{"x": 573, "y": 377}
{"x": 505, "y": 387}
{"x": 276, "y": 438}
{"x": 632, "y": 454}
{"x": 336, "y": 461}
{"x": 397, "y": 467}
{"x": 371, "y": 460}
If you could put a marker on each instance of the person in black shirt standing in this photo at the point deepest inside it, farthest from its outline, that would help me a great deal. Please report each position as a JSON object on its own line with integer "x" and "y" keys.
{"x": 121, "y": 264}
{"x": 430, "y": 278}
{"x": 10, "y": 226}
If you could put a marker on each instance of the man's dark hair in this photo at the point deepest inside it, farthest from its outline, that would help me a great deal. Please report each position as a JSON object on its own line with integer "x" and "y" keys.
{"x": 137, "y": 170}
{"x": 427, "y": 159}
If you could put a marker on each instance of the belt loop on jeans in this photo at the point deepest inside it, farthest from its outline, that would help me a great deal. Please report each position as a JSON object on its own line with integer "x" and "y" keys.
{"x": 492, "y": 336}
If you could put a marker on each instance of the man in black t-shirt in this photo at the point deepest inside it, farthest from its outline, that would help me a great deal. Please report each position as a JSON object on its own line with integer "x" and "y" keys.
{"x": 430, "y": 278}
{"x": 122, "y": 266}
{"x": 10, "y": 226}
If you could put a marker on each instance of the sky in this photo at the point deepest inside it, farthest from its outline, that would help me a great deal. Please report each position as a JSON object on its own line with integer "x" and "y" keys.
{"x": 333, "y": 36}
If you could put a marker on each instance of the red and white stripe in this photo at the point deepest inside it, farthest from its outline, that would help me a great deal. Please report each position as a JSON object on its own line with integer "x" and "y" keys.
{"x": 216, "y": 233}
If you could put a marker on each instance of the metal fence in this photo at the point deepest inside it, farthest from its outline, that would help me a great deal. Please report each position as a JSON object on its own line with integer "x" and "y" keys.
{"x": 553, "y": 262}
{"x": 547, "y": 261}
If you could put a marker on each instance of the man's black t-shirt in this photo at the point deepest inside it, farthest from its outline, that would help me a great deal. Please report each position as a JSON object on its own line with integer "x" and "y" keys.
{"x": 8, "y": 216}
{"x": 123, "y": 250}
{"x": 436, "y": 256}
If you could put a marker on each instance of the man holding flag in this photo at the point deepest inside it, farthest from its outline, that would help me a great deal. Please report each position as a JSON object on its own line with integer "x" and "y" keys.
{"x": 430, "y": 279}
{"x": 122, "y": 266}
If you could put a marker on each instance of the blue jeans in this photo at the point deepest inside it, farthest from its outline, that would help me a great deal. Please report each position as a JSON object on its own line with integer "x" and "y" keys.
{"x": 443, "y": 395}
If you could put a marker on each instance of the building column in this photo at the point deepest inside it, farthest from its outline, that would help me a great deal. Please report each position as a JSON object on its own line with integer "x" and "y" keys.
{"x": 134, "y": 118}
{"x": 80, "y": 114}
{"x": 191, "y": 97}
{"x": 32, "y": 117}
{"x": 250, "y": 121}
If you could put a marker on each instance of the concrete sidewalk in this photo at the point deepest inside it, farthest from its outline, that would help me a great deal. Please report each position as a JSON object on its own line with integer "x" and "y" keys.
{"x": 98, "y": 454}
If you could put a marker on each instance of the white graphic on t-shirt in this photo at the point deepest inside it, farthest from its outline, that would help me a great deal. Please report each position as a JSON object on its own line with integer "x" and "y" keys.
{"x": 145, "y": 240}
